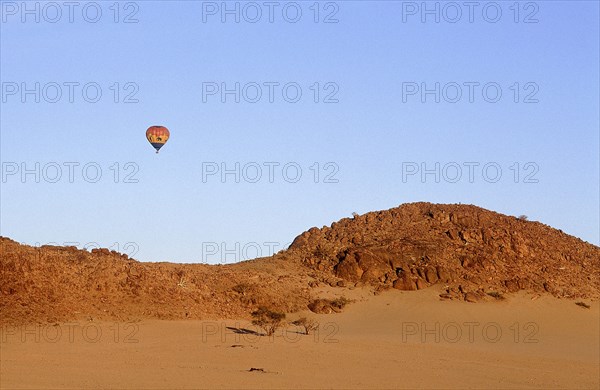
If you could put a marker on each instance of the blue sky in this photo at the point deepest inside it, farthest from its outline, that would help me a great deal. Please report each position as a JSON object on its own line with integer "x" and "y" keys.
{"x": 544, "y": 125}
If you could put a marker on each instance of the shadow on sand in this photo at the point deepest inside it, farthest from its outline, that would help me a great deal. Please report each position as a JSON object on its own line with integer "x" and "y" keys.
{"x": 244, "y": 331}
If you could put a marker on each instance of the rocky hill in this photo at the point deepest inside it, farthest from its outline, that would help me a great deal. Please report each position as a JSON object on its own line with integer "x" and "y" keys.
{"x": 466, "y": 252}
{"x": 52, "y": 284}
{"x": 464, "y": 248}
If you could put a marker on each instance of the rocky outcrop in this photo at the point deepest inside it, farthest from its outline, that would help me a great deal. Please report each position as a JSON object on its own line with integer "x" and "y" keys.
{"x": 51, "y": 284}
{"x": 418, "y": 245}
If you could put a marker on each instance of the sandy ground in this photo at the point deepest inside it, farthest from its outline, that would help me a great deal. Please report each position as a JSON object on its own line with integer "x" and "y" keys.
{"x": 394, "y": 340}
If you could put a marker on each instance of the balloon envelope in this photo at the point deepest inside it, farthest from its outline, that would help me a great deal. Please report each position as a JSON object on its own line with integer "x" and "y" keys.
{"x": 157, "y": 136}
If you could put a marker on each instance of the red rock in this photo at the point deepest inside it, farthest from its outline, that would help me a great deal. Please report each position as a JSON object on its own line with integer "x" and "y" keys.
{"x": 512, "y": 285}
{"x": 348, "y": 269}
{"x": 405, "y": 282}
{"x": 431, "y": 275}
{"x": 471, "y": 297}
{"x": 421, "y": 284}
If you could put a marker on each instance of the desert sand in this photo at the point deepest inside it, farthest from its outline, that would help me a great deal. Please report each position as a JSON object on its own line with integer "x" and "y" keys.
{"x": 396, "y": 339}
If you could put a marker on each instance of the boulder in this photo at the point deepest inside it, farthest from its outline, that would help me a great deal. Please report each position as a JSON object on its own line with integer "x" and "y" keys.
{"x": 348, "y": 269}
{"x": 431, "y": 275}
{"x": 406, "y": 282}
{"x": 471, "y": 297}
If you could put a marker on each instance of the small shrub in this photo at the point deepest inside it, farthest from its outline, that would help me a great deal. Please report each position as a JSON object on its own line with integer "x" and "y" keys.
{"x": 308, "y": 324}
{"x": 522, "y": 218}
{"x": 326, "y": 306}
{"x": 340, "y": 302}
{"x": 242, "y": 288}
{"x": 496, "y": 295}
{"x": 267, "y": 319}
{"x": 583, "y": 304}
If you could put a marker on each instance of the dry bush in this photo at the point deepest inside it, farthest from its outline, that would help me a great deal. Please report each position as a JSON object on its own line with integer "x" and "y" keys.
{"x": 267, "y": 319}
{"x": 326, "y": 306}
{"x": 307, "y": 324}
{"x": 340, "y": 302}
{"x": 243, "y": 288}
{"x": 523, "y": 217}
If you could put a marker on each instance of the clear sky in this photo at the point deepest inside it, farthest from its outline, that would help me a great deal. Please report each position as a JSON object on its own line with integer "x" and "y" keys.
{"x": 361, "y": 132}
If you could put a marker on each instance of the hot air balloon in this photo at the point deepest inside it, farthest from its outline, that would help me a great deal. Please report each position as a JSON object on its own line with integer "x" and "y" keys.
{"x": 157, "y": 136}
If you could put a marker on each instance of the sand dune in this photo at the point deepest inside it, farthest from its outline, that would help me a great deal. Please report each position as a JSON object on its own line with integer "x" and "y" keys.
{"x": 384, "y": 341}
